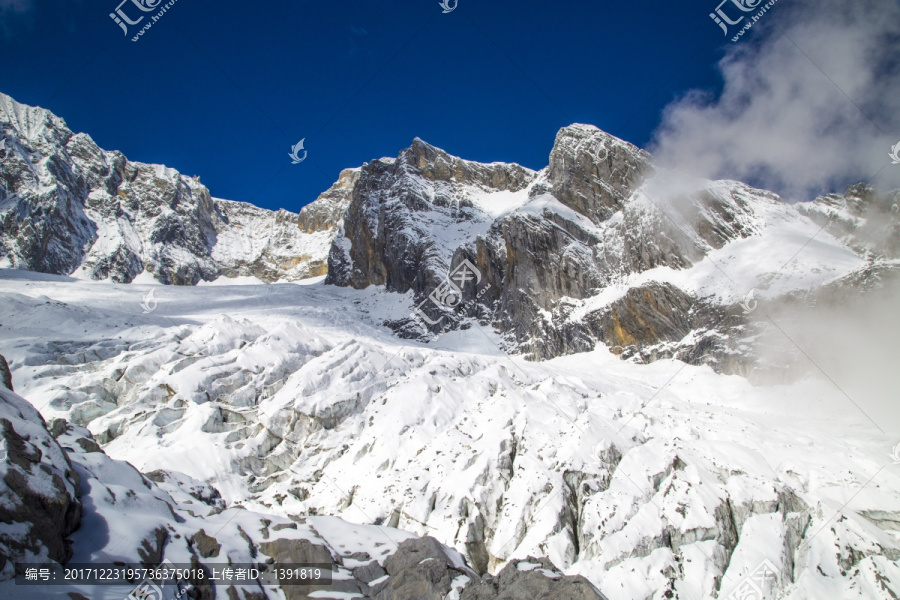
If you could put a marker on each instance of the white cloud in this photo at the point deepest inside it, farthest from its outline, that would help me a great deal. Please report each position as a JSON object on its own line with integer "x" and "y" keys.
{"x": 809, "y": 106}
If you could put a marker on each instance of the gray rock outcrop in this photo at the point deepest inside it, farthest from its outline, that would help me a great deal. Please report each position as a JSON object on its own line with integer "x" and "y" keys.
{"x": 534, "y": 579}
{"x": 422, "y": 569}
{"x": 5, "y": 374}
{"x": 543, "y": 242}
{"x": 594, "y": 173}
{"x": 40, "y": 509}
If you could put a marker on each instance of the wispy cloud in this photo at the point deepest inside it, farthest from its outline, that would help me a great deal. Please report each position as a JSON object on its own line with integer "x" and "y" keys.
{"x": 16, "y": 6}
{"x": 809, "y": 106}
{"x": 14, "y": 16}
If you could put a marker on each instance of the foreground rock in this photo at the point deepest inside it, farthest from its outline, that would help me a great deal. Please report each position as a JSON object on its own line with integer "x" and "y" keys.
{"x": 423, "y": 569}
{"x": 39, "y": 509}
{"x": 534, "y": 579}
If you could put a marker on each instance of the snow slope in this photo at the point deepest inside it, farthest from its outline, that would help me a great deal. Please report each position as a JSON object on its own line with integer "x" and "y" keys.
{"x": 659, "y": 480}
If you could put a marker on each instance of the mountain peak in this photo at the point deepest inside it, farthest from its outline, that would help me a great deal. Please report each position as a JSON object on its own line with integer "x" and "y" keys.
{"x": 581, "y": 134}
{"x": 38, "y": 126}
{"x": 421, "y": 151}
{"x": 594, "y": 172}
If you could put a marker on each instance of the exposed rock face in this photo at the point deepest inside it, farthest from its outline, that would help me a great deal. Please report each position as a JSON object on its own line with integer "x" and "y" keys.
{"x": 206, "y": 545}
{"x": 302, "y": 551}
{"x": 387, "y": 236}
{"x": 297, "y": 551}
{"x": 423, "y": 569}
{"x": 862, "y": 217}
{"x": 419, "y": 569}
{"x": 594, "y": 173}
{"x": 644, "y": 316}
{"x": 39, "y": 508}
{"x": 548, "y": 244}
{"x": 5, "y": 374}
{"x": 532, "y": 578}
{"x": 69, "y": 207}
{"x": 327, "y": 212}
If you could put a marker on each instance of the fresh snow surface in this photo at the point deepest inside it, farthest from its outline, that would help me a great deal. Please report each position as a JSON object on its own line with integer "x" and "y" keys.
{"x": 498, "y": 204}
{"x": 259, "y": 390}
{"x": 243, "y": 280}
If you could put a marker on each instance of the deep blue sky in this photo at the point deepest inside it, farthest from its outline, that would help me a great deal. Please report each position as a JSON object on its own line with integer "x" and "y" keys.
{"x": 223, "y": 89}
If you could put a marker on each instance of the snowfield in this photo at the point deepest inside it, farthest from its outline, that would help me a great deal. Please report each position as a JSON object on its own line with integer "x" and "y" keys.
{"x": 648, "y": 479}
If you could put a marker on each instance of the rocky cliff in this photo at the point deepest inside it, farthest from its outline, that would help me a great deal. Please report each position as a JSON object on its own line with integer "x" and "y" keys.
{"x": 69, "y": 207}
{"x": 599, "y": 247}
{"x": 38, "y": 487}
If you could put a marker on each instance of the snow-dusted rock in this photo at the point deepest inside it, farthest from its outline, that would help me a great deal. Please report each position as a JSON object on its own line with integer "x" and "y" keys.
{"x": 862, "y": 217}
{"x": 532, "y": 578}
{"x": 592, "y": 249}
{"x": 38, "y": 504}
{"x": 5, "y": 374}
{"x": 69, "y": 207}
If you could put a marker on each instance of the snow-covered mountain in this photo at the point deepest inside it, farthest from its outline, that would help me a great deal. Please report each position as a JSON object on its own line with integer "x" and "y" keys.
{"x": 69, "y": 208}
{"x": 498, "y": 417}
{"x": 599, "y": 247}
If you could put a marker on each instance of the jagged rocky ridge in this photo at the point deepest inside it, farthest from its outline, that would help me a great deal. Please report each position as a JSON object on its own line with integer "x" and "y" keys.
{"x": 69, "y": 207}
{"x": 551, "y": 246}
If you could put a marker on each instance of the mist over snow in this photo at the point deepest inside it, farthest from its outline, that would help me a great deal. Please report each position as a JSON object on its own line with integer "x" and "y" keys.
{"x": 811, "y": 103}
{"x": 848, "y": 344}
